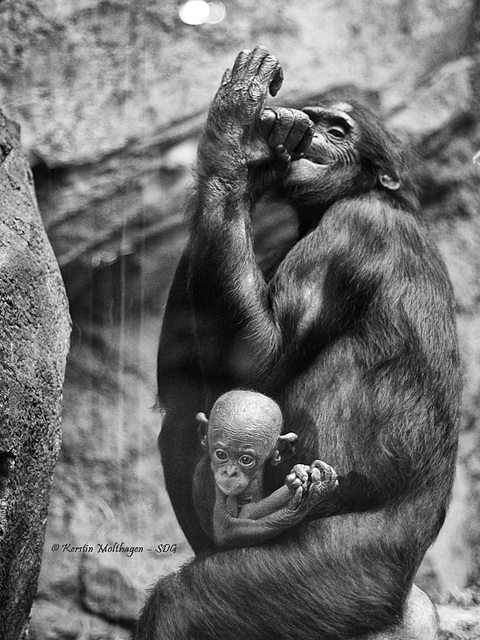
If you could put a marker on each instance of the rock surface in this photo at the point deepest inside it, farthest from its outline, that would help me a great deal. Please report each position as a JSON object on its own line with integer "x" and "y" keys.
{"x": 457, "y": 623}
{"x": 34, "y": 336}
{"x": 86, "y": 77}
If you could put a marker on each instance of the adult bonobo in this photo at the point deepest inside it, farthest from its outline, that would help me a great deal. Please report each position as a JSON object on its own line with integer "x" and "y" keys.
{"x": 352, "y": 333}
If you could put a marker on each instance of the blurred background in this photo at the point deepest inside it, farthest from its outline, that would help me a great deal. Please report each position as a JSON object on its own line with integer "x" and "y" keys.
{"x": 111, "y": 96}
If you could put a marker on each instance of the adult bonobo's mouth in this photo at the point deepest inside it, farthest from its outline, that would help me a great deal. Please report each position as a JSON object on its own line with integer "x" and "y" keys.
{"x": 318, "y": 152}
{"x": 307, "y": 168}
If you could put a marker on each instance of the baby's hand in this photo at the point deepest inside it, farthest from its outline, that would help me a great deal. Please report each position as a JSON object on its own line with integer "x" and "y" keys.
{"x": 297, "y": 483}
{"x": 298, "y": 478}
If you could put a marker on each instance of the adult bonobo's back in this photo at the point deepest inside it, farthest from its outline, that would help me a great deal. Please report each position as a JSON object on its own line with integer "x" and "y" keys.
{"x": 353, "y": 335}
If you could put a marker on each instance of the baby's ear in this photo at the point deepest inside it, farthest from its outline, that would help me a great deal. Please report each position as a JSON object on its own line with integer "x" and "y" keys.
{"x": 202, "y": 423}
{"x": 285, "y": 447}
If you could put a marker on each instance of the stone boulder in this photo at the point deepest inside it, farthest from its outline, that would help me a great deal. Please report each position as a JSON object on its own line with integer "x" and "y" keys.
{"x": 34, "y": 339}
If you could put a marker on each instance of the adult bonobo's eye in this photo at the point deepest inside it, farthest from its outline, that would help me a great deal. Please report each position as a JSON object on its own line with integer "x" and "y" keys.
{"x": 220, "y": 455}
{"x": 246, "y": 460}
{"x": 337, "y": 131}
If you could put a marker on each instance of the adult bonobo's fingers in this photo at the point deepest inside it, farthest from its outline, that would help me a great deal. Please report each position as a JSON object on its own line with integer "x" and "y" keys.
{"x": 256, "y": 58}
{"x": 276, "y": 82}
{"x": 299, "y": 135}
{"x": 284, "y": 123}
{"x": 333, "y": 478}
{"x": 264, "y": 69}
{"x": 283, "y": 159}
{"x": 305, "y": 139}
{"x": 226, "y": 76}
{"x": 241, "y": 63}
{"x": 266, "y": 122}
{"x": 270, "y": 174}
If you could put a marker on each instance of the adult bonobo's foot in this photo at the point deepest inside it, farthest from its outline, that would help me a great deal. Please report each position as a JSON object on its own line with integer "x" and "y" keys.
{"x": 309, "y": 484}
{"x": 323, "y": 477}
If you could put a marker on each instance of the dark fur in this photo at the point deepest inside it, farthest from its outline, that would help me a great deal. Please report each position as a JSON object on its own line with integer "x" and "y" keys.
{"x": 370, "y": 384}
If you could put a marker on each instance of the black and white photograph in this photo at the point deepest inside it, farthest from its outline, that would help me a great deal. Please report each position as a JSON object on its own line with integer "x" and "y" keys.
{"x": 240, "y": 320}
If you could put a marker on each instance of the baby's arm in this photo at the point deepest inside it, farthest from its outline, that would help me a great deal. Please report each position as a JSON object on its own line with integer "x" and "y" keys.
{"x": 282, "y": 510}
{"x": 232, "y": 531}
{"x": 288, "y": 494}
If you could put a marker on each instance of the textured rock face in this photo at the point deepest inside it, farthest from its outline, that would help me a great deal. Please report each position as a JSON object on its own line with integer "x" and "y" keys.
{"x": 34, "y": 337}
{"x": 84, "y": 77}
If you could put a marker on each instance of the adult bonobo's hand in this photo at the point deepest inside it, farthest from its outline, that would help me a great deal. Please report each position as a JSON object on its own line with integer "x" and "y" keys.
{"x": 241, "y": 135}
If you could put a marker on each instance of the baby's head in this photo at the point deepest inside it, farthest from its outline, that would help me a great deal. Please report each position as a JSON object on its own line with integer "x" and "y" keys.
{"x": 242, "y": 434}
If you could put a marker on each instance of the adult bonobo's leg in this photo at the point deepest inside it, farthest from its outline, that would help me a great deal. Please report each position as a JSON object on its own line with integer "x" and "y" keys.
{"x": 420, "y": 621}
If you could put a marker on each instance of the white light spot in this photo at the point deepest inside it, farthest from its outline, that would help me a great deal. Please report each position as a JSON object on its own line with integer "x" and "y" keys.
{"x": 194, "y": 12}
{"x": 217, "y": 12}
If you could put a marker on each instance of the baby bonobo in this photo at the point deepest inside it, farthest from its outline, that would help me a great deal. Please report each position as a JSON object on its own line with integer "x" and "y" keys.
{"x": 242, "y": 435}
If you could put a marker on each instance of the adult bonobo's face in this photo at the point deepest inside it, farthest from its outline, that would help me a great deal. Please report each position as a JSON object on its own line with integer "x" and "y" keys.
{"x": 332, "y": 145}
{"x": 350, "y": 153}
{"x": 331, "y": 161}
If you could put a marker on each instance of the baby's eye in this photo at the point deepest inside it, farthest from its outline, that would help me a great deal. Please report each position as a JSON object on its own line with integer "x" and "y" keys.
{"x": 246, "y": 461}
{"x": 220, "y": 455}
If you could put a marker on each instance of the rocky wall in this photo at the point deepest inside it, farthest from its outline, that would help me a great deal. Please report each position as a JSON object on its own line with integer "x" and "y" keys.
{"x": 34, "y": 339}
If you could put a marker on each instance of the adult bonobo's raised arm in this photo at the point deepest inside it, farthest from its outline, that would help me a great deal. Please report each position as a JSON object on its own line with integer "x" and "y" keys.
{"x": 353, "y": 336}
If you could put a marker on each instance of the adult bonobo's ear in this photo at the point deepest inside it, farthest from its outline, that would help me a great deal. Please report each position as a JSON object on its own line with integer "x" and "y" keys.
{"x": 389, "y": 181}
{"x": 285, "y": 447}
{"x": 202, "y": 422}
